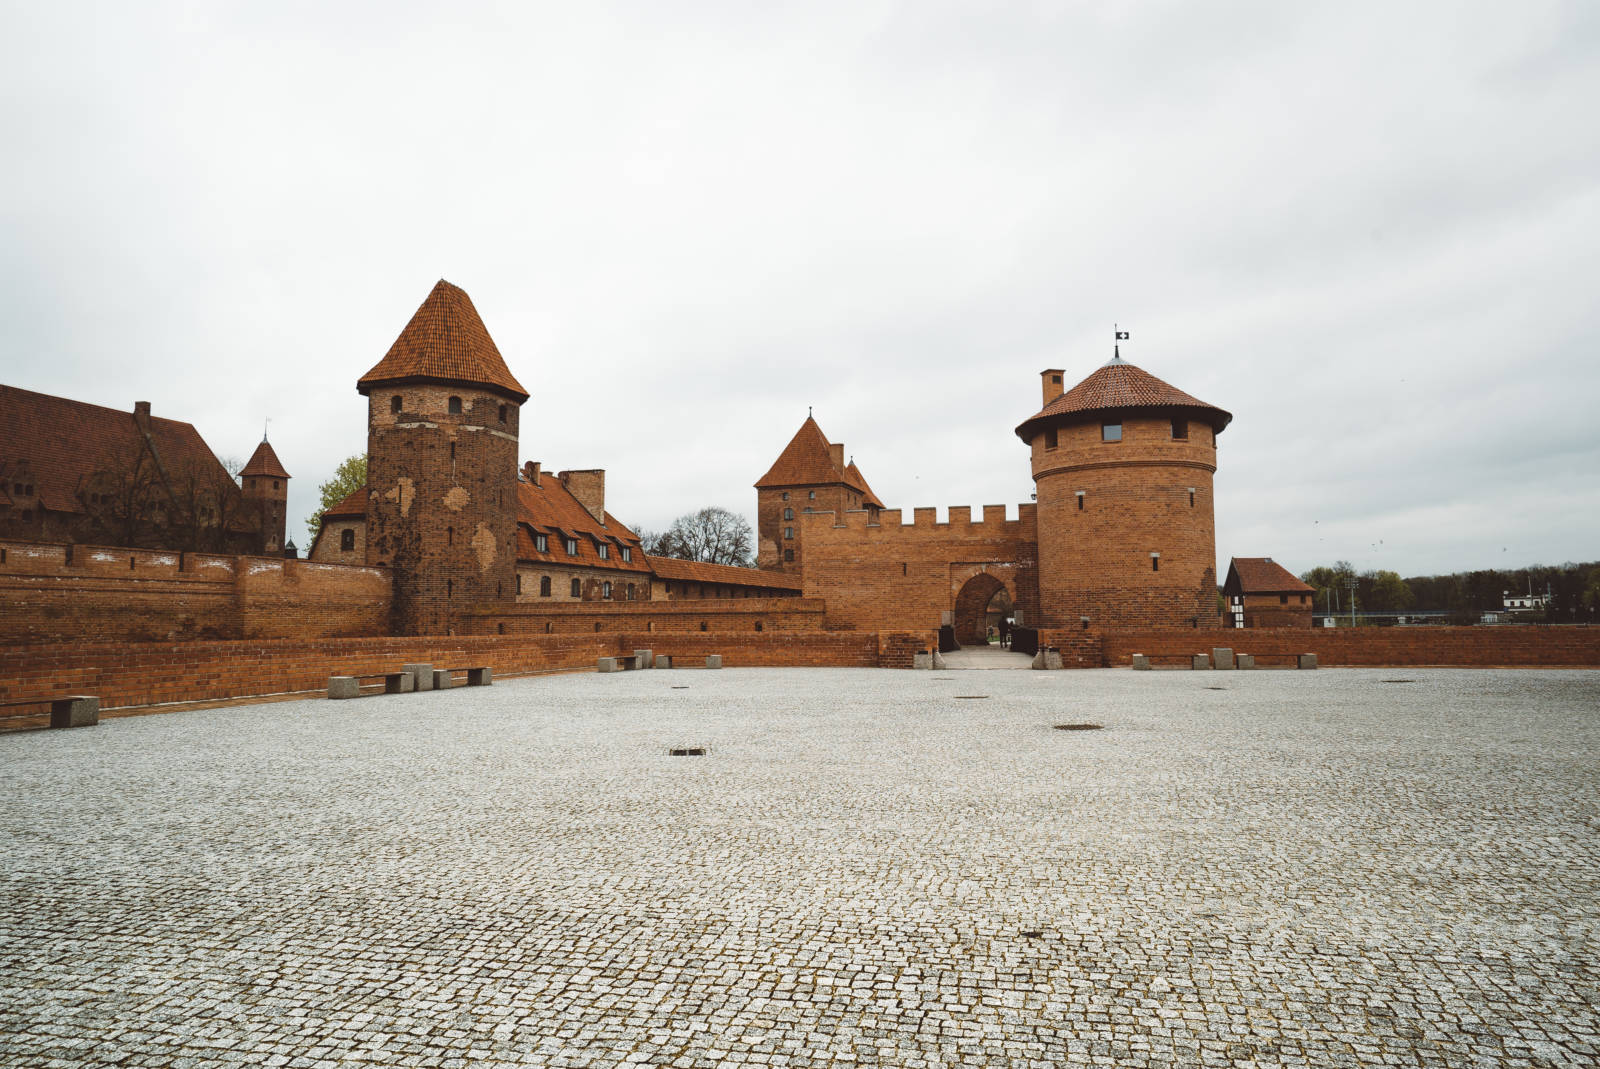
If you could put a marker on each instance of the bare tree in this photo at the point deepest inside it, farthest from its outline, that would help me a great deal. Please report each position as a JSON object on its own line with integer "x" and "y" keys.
{"x": 713, "y": 535}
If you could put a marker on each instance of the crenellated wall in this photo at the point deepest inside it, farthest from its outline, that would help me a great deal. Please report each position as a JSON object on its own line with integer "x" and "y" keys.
{"x": 57, "y": 592}
{"x": 894, "y": 575}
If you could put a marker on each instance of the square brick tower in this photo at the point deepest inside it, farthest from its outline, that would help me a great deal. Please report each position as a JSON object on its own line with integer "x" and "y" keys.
{"x": 810, "y": 475}
{"x": 442, "y": 417}
{"x": 265, "y": 485}
{"x": 1123, "y": 464}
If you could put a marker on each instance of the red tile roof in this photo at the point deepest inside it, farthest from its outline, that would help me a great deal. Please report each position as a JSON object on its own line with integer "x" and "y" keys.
{"x": 353, "y": 506}
{"x": 1119, "y": 385}
{"x": 805, "y": 461}
{"x": 855, "y": 478}
{"x": 723, "y": 574}
{"x": 447, "y": 342}
{"x": 64, "y": 442}
{"x": 265, "y": 462}
{"x": 550, "y": 509}
{"x": 1262, "y": 575}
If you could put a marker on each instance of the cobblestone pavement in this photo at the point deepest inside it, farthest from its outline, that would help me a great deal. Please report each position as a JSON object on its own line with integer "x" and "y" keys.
{"x": 1391, "y": 867}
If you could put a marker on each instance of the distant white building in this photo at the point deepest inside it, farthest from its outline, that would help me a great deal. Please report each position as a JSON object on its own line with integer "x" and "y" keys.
{"x": 1514, "y": 602}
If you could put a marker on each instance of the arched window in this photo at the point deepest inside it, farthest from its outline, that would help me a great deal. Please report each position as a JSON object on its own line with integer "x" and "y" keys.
{"x": 544, "y": 586}
{"x": 347, "y": 539}
{"x": 577, "y": 589}
{"x": 605, "y": 589}
{"x": 394, "y": 404}
{"x": 455, "y": 406}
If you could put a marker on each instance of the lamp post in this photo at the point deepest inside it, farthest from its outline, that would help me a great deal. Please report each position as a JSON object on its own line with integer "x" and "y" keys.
{"x": 1350, "y": 584}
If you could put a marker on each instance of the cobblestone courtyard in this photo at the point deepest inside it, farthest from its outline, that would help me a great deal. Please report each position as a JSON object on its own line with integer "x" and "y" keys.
{"x": 867, "y": 868}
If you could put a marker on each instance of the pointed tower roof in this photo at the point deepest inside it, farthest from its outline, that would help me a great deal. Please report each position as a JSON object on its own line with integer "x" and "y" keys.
{"x": 1119, "y": 385}
{"x": 445, "y": 342}
{"x": 805, "y": 461}
{"x": 265, "y": 462}
{"x": 859, "y": 481}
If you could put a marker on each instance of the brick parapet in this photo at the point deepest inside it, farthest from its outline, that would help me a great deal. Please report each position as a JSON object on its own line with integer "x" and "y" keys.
{"x": 716, "y": 614}
{"x": 1521, "y": 646}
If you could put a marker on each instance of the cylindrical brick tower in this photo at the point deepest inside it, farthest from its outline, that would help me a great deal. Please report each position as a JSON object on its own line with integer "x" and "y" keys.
{"x": 1122, "y": 464}
{"x": 265, "y": 485}
{"x": 442, "y": 416}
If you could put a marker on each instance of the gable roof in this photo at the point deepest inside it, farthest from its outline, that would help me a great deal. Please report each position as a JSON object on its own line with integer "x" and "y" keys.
{"x": 550, "y": 509}
{"x": 855, "y": 478}
{"x": 695, "y": 571}
{"x": 444, "y": 342}
{"x": 1262, "y": 575}
{"x": 805, "y": 461}
{"x": 265, "y": 462}
{"x": 354, "y": 505}
{"x": 63, "y": 443}
{"x": 1119, "y": 385}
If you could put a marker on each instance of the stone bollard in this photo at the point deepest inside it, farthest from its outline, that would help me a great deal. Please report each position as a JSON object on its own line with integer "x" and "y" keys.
{"x": 642, "y": 658}
{"x": 922, "y": 659}
{"x": 344, "y": 687}
{"x": 1222, "y": 657}
{"x": 1200, "y": 661}
{"x": 1141, "y": 662}
{"x": 663, "y": 661}
{"x": 607, "y": 664}
{"x": 1052, "y": 658}
{"x": 713, "y": 660}
{"x": 938, "y": 661}
{"x": 76, "y": 711}
{"x": 1244, "y": 660}
{"x": 1039, "y": 662}
{"x": 1308, "y": 660}
{"x": 421, "y": 675}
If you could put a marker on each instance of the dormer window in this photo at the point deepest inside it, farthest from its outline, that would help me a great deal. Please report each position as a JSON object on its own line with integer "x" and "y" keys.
{"x": 604, "y": 551}
{"x": 455, "y": 406}
{"x": 627, "y": 553}
{"x": 541, "y": 543}
{"x": 572, "y": 547}
{"x": 347, "y": 539}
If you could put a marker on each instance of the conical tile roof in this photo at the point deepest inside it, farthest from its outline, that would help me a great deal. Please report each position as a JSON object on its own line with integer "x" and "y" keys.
{"x": 859, "y": 481}
{"x": 265, "y": 462}
{"x": 1119, "y": 385}
{"x": 805, "y": 461}
{"x": 445, "y": 342}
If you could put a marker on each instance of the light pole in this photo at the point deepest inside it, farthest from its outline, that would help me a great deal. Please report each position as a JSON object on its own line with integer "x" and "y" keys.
{"x": 1350, "y": 584}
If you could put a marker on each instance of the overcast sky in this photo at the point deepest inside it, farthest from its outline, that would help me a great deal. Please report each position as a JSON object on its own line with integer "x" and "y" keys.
{"x": 1370, "y": 231}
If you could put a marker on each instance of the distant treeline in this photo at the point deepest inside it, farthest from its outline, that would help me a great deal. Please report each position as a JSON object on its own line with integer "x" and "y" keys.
{"x": 1574, "y": 591}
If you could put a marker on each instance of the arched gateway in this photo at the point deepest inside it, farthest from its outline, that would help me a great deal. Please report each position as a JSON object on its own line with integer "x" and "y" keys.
{"x": 980, "y": 597}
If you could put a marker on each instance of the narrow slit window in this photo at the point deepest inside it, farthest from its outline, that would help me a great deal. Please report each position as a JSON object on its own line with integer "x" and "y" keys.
{"x": 1155, "y": 562}
{"x": 502, "y": 413}
{"x": 1080, "y": 500}
{"x": 1191, "y": 497}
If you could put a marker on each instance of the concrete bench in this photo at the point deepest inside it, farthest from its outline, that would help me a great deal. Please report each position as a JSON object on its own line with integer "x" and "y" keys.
{"x": 713, "y": 660}
{"x": 1307, "y": 660}
{"x": 1199, "y": 662}
{"x": 70, "y": 711}
{"x": 421, "y": 675}
{"x": 663, "y": 661}
{"x": 643, "y": 658}
{"x": 445, "y": 678}
{"x": 1244, "y": 660}
{"x": 1141, "y": 662}
{"x": 350, "y": 686}
{"x": 1222, "y": 658}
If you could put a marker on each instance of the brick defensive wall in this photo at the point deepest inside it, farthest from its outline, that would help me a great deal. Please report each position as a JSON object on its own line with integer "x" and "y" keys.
{"x": 1510, "y": 646}
{"x": 61, "y": 593}
{"x": 719, "y": 615}
{"x": 898, "y": 576}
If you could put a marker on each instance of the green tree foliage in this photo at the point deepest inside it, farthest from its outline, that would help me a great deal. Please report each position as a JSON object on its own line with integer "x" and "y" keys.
{"x": 350, "y": 476}
{"x": 1573, "y": 589}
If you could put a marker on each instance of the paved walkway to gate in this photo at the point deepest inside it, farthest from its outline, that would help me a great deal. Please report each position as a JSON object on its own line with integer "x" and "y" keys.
{"x": 865, "y": 867}
{"x": 986, "y": 657}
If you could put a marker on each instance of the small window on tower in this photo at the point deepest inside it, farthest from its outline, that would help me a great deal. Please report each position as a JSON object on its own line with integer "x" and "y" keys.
{"x": 605, "y": 590}
{"x": 1283, "y": 599}
{"x": 1050, "y": 438}
{"x": 1180, "y": 428}
{"x": 274, "y": 484}
{"x": 449, "y": 536}
{"x": 455, "y": 406}
{"x": 1191, "y": 497}
{"x": 347, "y": 539}
{"x": 1080, "y": 500}
{"x": 1155, "y": 562}
{"x": 786, "y": 495}
{"x": 788, "y": 532}
{"x": 394, "y": 403}
{"x": 1111, "y": 432}
{"x": 502, "y": 413}
{"x": 788, "y": 514}
{"x": 788, "y": 554}
{"x": 812, "y": 496}
{"x": 577, "y": 589}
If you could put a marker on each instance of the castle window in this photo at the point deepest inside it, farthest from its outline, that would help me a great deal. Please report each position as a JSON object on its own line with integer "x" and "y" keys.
{"x": 519, "y": 584}
{"x": 627, "y": 553}
{"x": 541, "y": 543}
{"x": 1080, "y": 500}
{"x": 1155, "y": 562}
{"x": 347, "y": 539}
{"x": 452, "y": 450}
{"x": 630, "y": 591}
{"x": 1180, "y": 428}
{"x": 788, "y": 514}
{"x": 758, "y": 625}
{"x": 577, "y": 589}
{"x": 788, "y": 554}
{"x": 502, "y": 413}
{"x": 605, "y": 590}
{"x": 572, "y": 547}
{"x": 1283, "y": 599}
{"x": 786, "y": 495}
{"x": 274, "y": 484}
{"x": 394, "y": 404}
{"x": 1191, "y": 497}
{"x": 449, "y": 536}
{"x": 788, "y": 532}
{"x": 1111, "y": 432}
{"x": 249, "y": 484}
{"x": 455, "y": 406}
{"x": 449, "y": 588}
{"x": 813, "y": 495}
{"x": 703, "y": 626}
{"x": 1302, "y": 599}
{"x": 544, "y": 586}
{"x": 1050, "y": 438}
{"x": 604, "y": 551}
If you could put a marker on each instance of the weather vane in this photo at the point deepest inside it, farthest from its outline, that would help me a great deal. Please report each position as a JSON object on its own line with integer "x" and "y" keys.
{"x": 1118, "y": 335}
{"x": 264, "y": 427}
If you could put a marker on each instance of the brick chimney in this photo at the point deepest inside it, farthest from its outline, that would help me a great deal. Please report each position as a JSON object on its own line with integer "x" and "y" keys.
{"x": 588, "y": 485}
{"x": 1050, "y": 379}
{"x": 836, "y": 454}
{"x": 530, "y": 471}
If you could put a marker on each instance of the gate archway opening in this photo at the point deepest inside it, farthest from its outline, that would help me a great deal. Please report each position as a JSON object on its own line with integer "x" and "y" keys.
{"x": 983, "y": 601}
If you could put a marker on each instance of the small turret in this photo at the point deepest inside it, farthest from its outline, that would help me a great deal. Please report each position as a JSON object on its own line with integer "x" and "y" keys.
{"x": 265, "y": 486}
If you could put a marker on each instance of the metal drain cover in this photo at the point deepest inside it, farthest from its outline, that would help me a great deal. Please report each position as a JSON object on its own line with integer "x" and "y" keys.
{"x": 971, "y": 696}
{"x": 688, "y": 751}
{"x": 1079, "y": 727}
